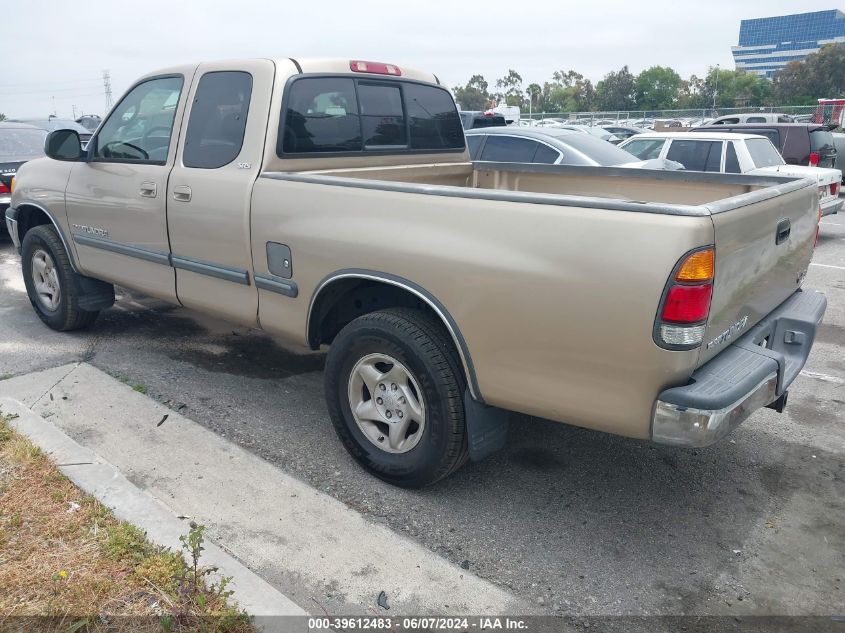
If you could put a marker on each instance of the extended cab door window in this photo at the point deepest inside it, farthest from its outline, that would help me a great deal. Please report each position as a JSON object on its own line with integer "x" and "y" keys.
{"x": 218, "y": 120}
{"x": 139, "y": 129}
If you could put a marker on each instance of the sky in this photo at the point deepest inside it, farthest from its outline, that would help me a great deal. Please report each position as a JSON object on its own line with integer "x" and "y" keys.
{"x": 54, "y": 52}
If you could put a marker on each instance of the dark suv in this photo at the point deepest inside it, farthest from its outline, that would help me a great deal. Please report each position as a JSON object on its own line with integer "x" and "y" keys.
{"x": 798, "y": 143}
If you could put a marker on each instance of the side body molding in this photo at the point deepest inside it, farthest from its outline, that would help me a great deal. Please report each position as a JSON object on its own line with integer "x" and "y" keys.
{"x": 422, "y": 294}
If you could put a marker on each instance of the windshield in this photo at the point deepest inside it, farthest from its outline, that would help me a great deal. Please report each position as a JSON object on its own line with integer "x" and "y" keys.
{"x": 763, "y": 153}
{"x": 19, "y": 144}
{"x": 602, "y": 152}
{"x": 645, "y": 148}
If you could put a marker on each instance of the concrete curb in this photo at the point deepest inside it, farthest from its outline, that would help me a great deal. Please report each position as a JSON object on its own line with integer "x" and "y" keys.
{"x": 129, "y": 503}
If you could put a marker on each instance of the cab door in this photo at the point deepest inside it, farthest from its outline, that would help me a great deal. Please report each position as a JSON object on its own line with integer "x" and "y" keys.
{"x": 219, "y": 157}
{"x": 116, "y": 201}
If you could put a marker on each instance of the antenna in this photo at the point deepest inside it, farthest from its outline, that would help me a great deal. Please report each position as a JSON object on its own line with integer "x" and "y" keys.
{"x": 107, "y": 89}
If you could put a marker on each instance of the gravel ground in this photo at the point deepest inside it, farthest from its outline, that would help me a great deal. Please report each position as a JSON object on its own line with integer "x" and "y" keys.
{"x": 574, "y": 521}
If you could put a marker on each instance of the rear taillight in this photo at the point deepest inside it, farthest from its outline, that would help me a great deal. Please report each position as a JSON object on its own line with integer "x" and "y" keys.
{"x": 377, "y": 68}
{"x": 814, "y": 159}
{"x": 685, "y": 306}
{"x": 4, "y": 188}
{"x": 834, "y": 189}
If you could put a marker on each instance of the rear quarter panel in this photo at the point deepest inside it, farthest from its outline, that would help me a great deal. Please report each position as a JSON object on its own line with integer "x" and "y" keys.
{"x": 556, "y": 304}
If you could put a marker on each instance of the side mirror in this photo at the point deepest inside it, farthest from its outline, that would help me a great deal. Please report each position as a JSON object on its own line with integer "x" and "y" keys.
{"x": 63, "y": 145}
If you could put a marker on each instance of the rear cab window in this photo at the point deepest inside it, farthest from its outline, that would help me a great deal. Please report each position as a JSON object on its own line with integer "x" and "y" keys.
{"x": 344, "y": 115}
{"x": 696, "y": 155}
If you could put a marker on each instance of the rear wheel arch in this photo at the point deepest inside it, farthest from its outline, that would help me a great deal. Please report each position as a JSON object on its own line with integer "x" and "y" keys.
{"x": 348, "y": 294}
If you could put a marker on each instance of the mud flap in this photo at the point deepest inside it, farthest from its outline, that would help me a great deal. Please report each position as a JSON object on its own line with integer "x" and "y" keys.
{"x": 94, "y": 294}
{"x": 487, "y": 428}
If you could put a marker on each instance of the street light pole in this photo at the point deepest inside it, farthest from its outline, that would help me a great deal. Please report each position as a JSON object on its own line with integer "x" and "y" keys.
{"x": 716, "y": 87}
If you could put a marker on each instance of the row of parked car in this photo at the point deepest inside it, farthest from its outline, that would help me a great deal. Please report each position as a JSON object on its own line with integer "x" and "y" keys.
{"x": 763, "y": 144}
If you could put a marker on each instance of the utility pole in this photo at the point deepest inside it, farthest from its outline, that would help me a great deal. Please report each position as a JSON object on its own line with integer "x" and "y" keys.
{"x": 54, "y": 106}
{"x": 73, "y": 107}
{"x": 107, "y": 89}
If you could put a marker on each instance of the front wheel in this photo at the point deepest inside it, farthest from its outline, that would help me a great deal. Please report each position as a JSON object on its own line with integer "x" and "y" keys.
{"x": 51, "y": 284}
{"x": 394, "y": 389}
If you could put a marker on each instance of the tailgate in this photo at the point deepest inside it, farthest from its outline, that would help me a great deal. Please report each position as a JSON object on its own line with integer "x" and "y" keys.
{"x": 763, "y": 250}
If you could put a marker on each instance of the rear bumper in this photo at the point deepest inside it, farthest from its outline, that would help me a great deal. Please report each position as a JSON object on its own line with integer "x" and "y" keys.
{"x": 832, "y": 207}
{"x": 11, "y": 215}
{"x": 753, "y": 372}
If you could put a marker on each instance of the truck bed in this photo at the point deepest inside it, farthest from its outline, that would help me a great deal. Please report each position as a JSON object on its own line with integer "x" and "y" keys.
{"x": 553, "y": 273}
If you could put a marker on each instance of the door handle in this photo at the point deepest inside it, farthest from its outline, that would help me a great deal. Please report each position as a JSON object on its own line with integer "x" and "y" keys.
{"x": 784, "y": 229}
{"x": 182, "y": 193}
{"x": 148, "y": 189}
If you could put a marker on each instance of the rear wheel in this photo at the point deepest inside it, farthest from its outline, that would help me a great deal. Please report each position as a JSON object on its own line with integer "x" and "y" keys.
{"x": 51, "y": 284}
{"x": 394, "y": 389}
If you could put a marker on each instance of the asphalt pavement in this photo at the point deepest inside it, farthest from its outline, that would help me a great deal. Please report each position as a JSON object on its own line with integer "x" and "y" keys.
{"x": 569, "y": 520}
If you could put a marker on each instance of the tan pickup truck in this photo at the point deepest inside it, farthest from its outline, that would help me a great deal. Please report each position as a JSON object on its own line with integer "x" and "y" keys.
{"x": 332, "y": 202}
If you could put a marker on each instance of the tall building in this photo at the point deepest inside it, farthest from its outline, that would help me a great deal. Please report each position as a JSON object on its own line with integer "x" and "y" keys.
{"x": 768, "y": 44}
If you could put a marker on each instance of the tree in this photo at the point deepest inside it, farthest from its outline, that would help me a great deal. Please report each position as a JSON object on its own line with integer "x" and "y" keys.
{"x": 657, "y": 88}
{"x": 2, "y": 117}
{"x": 510, "y": 88}
{"x": 616, "y": 91}
{"x": 735, "y": 88}
{"x": 568, "y": 92}
{"x": 535, "y": 94}
{"x": 474, "y": 95}
{"x": 820, "y": 75}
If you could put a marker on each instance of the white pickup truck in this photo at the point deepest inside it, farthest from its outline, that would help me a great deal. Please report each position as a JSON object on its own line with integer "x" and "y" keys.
{"x": 333, "y": 203}
{"x": 731, "y": 153}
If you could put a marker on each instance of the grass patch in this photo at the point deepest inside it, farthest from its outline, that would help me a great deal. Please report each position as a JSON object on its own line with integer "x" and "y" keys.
{"x": 64, "y": 556}
{"x": 140, "y": 388}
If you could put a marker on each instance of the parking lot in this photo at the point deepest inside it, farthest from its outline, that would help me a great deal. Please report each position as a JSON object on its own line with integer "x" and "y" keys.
{"x": 571, "y": 521}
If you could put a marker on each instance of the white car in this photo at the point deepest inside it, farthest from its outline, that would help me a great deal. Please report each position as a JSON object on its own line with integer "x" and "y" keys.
{"x": 598, "y": 132}
{"x": 729, "y": 153}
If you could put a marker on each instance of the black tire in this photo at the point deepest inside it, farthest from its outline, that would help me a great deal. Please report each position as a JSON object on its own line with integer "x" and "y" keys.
{"x": 422, "y": 345}
{"x": 67, "y": 315}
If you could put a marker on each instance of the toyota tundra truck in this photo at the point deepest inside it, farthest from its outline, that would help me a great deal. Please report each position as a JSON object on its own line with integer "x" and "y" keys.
{"x": 332, "y": 203}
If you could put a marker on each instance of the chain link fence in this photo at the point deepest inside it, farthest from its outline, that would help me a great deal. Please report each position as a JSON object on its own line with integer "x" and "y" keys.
{"x": 690, "y": 117}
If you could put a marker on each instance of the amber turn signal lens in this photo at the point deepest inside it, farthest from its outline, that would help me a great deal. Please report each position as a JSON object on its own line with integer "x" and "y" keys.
{"x": 697, "y": 267}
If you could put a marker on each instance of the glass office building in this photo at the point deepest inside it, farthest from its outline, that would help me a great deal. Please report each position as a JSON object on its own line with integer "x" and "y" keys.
{"x": 768, "y": 44}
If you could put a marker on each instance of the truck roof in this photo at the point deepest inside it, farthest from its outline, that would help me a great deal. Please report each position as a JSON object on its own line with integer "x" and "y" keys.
{"x": 334, "y": 65}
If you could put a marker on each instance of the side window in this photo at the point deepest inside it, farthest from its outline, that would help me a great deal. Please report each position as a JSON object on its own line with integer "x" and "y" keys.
{"x": 546, "y": 155}
{"x": 432, "y": 118}
{"x": 508, "y": 149}
{"x": 730, "y": 121}
{"x": 731, "y": 160}
{"x": 473, "y": 143}
{"x": 322, "y": 116}
{"x": 695, "y": 155}
{"x": 756, "y": 119}
{"x": 218, "y": 119}
{"x": 382, "y": 119}
{"x": 139, "y": 129}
